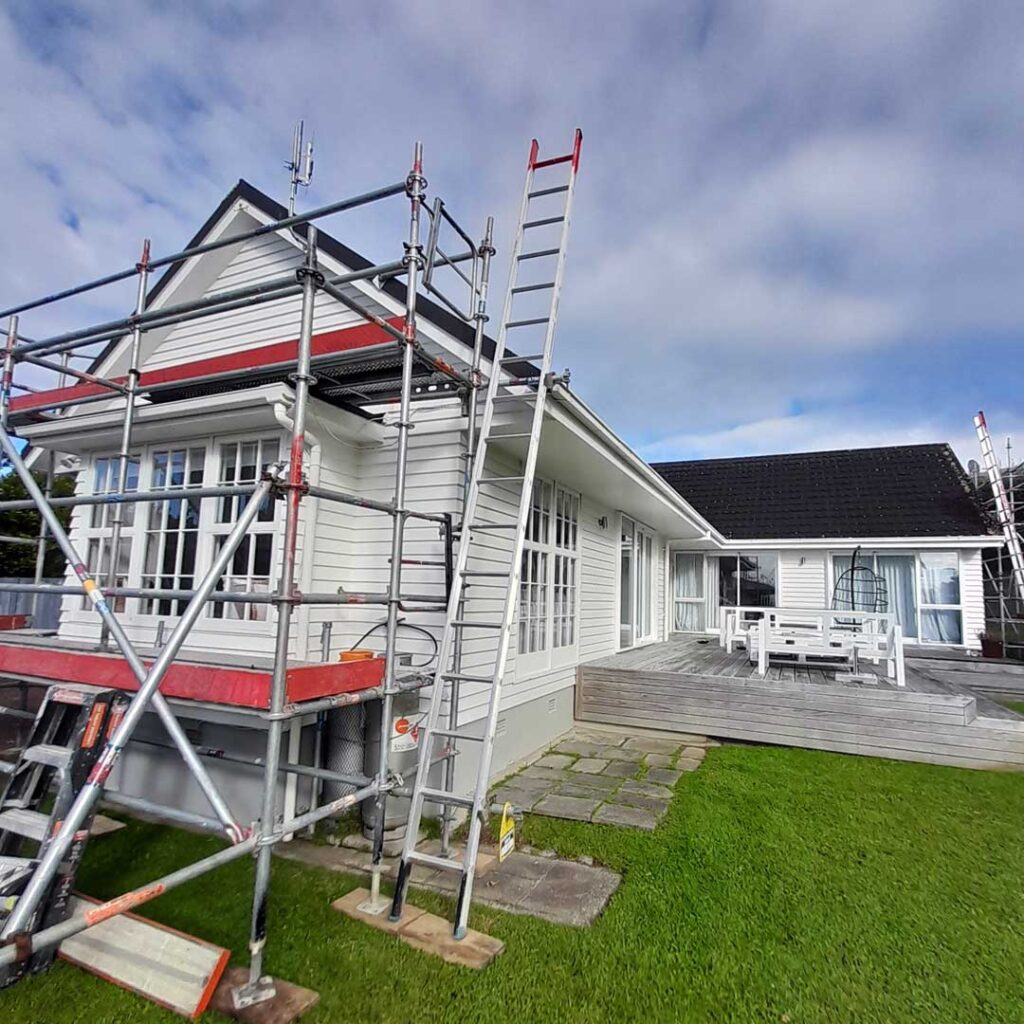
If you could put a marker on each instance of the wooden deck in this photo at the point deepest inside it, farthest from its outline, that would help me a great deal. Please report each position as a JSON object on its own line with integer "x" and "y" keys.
{"x": 689, "y": 684}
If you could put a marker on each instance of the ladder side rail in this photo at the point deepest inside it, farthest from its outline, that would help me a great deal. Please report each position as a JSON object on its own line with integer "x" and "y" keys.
{"x": 1013, "y": 541}
{"x": 456, "y": 596}
{"x": 512, "y": 593}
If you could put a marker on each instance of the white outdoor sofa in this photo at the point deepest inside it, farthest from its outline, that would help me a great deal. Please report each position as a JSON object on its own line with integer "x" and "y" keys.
{"x": 834, "y": 636}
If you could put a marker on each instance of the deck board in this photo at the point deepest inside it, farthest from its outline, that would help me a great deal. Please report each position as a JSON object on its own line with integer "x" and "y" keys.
{"x": 687, "y": 684}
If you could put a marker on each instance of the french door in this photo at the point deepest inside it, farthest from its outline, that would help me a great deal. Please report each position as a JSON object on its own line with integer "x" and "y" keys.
{"x": 636, "y": 584}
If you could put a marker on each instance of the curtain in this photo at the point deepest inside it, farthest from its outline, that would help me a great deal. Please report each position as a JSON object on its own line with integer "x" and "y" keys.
{"x": 941, "y": 625}
{"x": 898, "y": 573}
{"x": 687, "y": 586}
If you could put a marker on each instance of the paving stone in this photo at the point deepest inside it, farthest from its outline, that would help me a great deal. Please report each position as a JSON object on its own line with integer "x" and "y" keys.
{"x": 582, "y": 748}
{"x": 661, "y": 760}
{"x": 668, "y": 776}
{"x": 645, "y": 788}
{"x": 693, "y": 740}
{"x": 545, "y": 774}
{"x": 529, "y": 785}
{"x": 694, "y": 752}
{"x": 573, "y": 788}
{"x": 573, "y": 808}
{"x": 592, "y": 783}
{"x": 712, "y": 743}
{"x": 688, "y": 764}
{"x": 521, "y": 798}
{"x": 590, "y": 765}
{"x": 617, "y": 754}
{"x": 600, "y": 736}
{"x": 659, "y": 805}
{"x": 653, "y": 744}
{"x": 623, "y": 769}
{"x": 626, "y": 817}
{"x": 557, "y": 761}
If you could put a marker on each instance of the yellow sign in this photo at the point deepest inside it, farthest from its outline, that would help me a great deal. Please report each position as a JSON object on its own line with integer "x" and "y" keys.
{"x": 507, "y": 836}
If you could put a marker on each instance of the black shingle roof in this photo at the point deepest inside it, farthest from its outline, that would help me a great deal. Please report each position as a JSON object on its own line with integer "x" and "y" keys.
{"x": 904, "y": 491}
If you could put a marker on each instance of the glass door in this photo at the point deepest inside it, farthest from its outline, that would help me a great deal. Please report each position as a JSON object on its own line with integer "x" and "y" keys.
{"x": 627, "y": 583}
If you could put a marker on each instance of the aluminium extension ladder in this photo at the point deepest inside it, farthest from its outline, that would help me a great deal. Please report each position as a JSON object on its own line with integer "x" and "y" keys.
{"x": 474, "y": 566}
{"x": 69, "y": 733}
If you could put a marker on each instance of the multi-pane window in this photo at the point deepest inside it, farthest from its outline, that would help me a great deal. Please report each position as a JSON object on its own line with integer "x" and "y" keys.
{"x": 243, "y": 462}
{"x": 940, "y": 597}
{"x": 533, "y": 579}
{"x": 549, "y": 571}
{"x": 172, "y": 529}
{"x": 169, "y": 545}
{"x": 567, "y": 520}
{"x": 100, "y": 525}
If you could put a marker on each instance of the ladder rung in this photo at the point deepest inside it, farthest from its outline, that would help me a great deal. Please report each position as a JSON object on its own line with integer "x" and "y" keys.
{"x": 551, "y": 161}
{"x": 428, "y": 860}
{"x": 476, "y": 624}
{"x": 498, "y": 479}
{"x": 527, "y": 323}
{"x": 22, "y": 822}
{"x": 537, "y": 254}
{"x": 465, "y": 677}
{"x": 519, "y": 288}
{"x": 513, "y": 398}
{"x": 543, "y": 221}
{"x": 492, "y": 436}
{"x": 48, "y": 754}
{"x": 521, "y": 359}
{"x": 453, "y": 734}
{"x": 549, "y": 191}
{"x": 12, "y": 869}
{"x": 440, "y": 796}
{"x": 493, "y": 526}
{"x": 487, "y": 572}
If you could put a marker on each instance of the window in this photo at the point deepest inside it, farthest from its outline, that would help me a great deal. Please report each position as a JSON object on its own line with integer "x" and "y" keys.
{"x": 101, "y": 524}
{"x": 748, "y": 579}
{"x": 549, "y": 571}
{"x": 922, "y": 590}
{"x": 172, "y": 529}
{"x": 244, "y": 462}
{"x": 168, "y": 545}
{"x": 688, "y": 592}
{"x": 940, "y": 597}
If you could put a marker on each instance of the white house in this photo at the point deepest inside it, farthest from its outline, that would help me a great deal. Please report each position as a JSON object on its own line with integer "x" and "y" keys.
{"x": 618, "y": 553}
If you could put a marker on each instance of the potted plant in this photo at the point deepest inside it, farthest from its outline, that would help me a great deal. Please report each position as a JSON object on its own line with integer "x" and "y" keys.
{"x": 991, "y": 645}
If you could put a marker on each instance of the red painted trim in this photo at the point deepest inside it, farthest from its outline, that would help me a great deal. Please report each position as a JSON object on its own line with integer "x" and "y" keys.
{"x": 263, "y": 357}
{"x": 237, "y": 687}
{"x": 13, "y": 621}
{"x": 577, "y": 142}
{"x": 552, "y": 160}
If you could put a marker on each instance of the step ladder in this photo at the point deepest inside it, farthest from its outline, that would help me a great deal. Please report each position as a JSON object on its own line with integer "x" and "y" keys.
{"x": 69, "y": 733}
{"x": 517, "y": 384}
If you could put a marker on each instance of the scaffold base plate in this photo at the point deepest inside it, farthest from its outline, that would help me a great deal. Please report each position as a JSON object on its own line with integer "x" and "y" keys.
{"x": 289, "y": 1003}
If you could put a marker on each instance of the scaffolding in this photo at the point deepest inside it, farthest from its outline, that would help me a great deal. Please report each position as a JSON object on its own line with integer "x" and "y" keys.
{"x": 999, "y": 490}
{"x": 423, "y": 266}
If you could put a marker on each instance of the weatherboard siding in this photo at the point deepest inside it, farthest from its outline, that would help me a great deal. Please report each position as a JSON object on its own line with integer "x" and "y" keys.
{"x": 803, "y": 579}
{"x": 972, "y": 598}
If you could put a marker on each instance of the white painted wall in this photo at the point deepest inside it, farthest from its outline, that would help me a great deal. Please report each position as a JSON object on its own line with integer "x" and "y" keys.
{"x": 972, "y": 597}
{"x": 803, "y": 579}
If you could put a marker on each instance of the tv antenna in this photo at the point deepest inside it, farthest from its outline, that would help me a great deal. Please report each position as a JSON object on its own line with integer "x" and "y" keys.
{"x": 300, "y": 165}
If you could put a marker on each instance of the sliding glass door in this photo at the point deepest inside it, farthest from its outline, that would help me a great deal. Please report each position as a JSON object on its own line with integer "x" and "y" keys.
{"x": 688, "y": 592}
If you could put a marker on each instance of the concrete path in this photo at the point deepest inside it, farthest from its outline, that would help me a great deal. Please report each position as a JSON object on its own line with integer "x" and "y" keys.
{"x": 604, "y": 776}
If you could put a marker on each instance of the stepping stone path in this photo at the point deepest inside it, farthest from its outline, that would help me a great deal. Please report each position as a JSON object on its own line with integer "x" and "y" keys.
{"x": 605, "y": 777}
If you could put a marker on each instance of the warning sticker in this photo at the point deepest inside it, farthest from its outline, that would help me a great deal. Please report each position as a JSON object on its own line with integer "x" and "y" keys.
{"x": 507, "y": 836}
{"x": 405, "y": 733}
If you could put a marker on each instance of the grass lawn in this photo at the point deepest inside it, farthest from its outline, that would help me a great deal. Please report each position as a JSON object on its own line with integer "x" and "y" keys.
{"x": 782, "y": 886}
{"x": 1015, "y": 705}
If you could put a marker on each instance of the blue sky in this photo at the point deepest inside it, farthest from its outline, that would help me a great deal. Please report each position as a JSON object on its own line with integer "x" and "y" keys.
{"x": 798, "y": 225}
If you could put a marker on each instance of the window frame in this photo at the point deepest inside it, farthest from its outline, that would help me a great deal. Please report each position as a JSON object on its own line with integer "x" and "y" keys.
{"x": 550, "y": 552}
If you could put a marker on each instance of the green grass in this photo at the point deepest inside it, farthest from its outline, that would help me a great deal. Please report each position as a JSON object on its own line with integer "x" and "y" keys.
{"x": 1015, "y": 705}
{"x": 782, "y": 886}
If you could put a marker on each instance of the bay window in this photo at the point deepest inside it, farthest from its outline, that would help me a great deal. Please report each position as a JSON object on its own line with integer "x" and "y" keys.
{"x": 168, "y": 545}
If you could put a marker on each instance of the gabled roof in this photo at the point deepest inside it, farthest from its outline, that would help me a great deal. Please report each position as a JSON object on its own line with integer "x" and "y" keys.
{"x": 901, "y": 491}
{"x": 248, "y": 193}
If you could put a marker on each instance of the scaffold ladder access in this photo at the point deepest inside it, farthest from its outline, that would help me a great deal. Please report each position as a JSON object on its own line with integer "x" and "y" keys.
{"x": 478, "y": 558}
